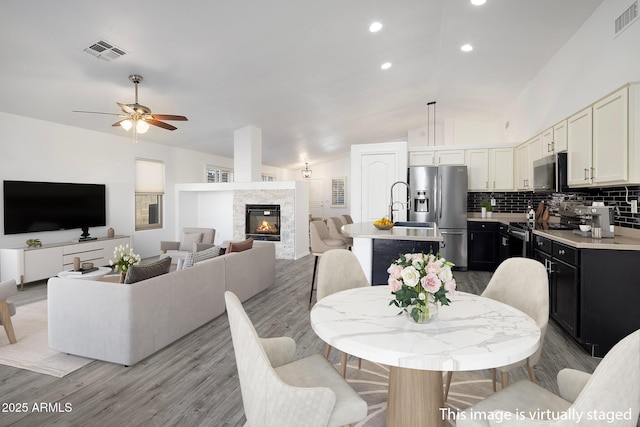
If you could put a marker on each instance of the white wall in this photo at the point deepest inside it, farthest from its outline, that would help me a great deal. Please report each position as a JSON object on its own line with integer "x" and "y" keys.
{"x": 35, "y": 150}
{"x": 590, "y": 65}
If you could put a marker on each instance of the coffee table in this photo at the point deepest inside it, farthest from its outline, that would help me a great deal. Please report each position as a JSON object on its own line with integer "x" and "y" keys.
{"x": 472, "y": 333}
{"x": 94, "y": 275}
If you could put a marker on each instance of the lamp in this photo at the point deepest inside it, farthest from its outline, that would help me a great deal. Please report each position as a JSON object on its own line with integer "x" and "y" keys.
{"x": 142, "y": 126}
{"x": 126, "y": 124}
{"x": 306, "y": 172}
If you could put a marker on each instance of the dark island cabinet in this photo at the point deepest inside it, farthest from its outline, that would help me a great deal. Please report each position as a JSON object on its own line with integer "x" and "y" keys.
{"x": 483, "y": 245}
{"x": 385, "y": 251}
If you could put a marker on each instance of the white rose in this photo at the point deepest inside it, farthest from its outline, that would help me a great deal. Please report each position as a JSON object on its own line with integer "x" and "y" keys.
{"x": 410, "y": 276}
{"x": 446, "y": 274}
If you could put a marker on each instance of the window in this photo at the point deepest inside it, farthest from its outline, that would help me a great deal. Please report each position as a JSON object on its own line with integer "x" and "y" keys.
{"x": 338, "y": 199}
{"x": 149, "y": 192}
{"x": 217, "y": 174}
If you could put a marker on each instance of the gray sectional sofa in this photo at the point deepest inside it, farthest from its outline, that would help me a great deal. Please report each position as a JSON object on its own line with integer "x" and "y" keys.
{"x": 123, "y": 323}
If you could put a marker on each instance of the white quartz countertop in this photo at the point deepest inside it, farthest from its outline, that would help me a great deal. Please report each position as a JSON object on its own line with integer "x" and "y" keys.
{"x": 368, "y": 230}
{"x": 568, "y": 237}
{"x": 472, "y": 333}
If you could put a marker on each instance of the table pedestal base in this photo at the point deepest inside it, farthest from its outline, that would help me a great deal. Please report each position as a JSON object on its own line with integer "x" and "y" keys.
{"x": 415, "y": 398}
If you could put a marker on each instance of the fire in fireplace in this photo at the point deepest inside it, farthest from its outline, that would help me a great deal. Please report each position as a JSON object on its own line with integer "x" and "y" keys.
{"x": 263, "y": 222}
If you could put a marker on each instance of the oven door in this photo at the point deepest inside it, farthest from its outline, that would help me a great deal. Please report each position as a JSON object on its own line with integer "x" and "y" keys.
{"x": 519, "y": 242}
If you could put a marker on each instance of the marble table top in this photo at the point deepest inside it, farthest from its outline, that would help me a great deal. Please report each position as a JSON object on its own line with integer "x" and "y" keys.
{"x": 472, "y": 333}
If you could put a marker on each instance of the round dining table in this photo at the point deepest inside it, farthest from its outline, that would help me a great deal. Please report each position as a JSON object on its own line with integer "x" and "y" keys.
{"x": 471, "y": 333}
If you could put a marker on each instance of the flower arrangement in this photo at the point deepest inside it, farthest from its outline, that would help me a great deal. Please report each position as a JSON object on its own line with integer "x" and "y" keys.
{"x": 124, "y": 258}
{"x": 417, "y": 279}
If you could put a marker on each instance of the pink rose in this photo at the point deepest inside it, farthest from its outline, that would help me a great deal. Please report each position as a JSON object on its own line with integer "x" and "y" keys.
{"x": 394, "y": 284}
{"x": 433, "y": 268}
{"x": 450, "y": 285}
{"x": 430, "y": 283}
{"x": 394, "y": 271}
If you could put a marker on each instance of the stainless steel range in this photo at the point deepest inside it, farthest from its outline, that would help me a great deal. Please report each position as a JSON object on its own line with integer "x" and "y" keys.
{"x": 520, "y": 237}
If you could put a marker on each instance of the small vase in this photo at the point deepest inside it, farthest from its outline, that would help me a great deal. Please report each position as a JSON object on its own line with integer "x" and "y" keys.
{"x": 483, "y": 212}
{"x": 489, "y": 214}
{"x": 429, "y": 312}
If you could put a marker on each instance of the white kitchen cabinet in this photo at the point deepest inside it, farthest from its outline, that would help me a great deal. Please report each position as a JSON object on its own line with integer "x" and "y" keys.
{"x": 547, "y": 141}
{"x": 490, "y": 169}
{"x": 535, "y": 150}
{"x": 522, "y": 167}
{"x": 610, "y": 139}
{"x": 554, "y": 139}
{"x": 579, "y": 143}
{"x": 436, "y": 157}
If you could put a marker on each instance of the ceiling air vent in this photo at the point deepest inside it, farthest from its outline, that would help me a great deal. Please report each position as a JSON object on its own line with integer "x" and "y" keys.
{"x": 104, "y": 50}
{"x": 627, "y": 18}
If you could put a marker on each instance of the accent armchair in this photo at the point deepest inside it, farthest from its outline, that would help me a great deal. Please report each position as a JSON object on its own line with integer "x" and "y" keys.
{"x": 193, "y": 240}
{"x": 612, "y": 390}
{"x": 280, "y": 392}
{"x": 8, "y": 308}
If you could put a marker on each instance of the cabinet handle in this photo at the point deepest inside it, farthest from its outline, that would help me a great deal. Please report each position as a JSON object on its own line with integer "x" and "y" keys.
{"x": 550, "y": 270}
{"x": 550, "y": 147}
{"x": 494, "y": 184}
{"x": 561, "y": 251}
{"x": 471, "y": 236}
{"x": 486, "y": 184}
{"x": 586, "y": 172}
{"x": 593, "y": 170}
{"x": 539, "y": 243}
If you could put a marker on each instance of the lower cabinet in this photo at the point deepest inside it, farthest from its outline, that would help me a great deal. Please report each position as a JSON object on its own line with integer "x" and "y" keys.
{"x": 483, "y": 245}
{"x": 385, "y": 251}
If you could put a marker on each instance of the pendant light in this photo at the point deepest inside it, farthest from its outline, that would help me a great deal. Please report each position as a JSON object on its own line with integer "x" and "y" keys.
{"x": 306, "y": 172}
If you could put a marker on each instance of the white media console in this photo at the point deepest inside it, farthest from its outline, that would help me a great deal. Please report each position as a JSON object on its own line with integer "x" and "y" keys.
{"x": 26, "y": 264}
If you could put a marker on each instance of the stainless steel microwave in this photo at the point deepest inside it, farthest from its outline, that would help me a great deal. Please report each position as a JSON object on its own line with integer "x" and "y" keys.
{"x": 550, "y": 174}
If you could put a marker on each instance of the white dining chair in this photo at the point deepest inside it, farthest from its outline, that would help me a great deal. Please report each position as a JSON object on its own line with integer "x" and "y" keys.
{"x": 321, "y": 242}
{"x": 612, "y": 390}
{"x": 278, "y": 391}
{"x": 339, "y": 270}
{"x": 522, "y": 283}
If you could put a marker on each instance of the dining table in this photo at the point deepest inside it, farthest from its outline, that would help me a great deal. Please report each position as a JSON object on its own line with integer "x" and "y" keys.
{"x": 471, "y": 333}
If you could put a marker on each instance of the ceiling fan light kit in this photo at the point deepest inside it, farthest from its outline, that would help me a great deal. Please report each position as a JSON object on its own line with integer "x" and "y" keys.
{"x": 138, "y": 117}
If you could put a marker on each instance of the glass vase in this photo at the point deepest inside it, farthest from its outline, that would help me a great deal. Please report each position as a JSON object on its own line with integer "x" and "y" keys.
{"x": 426, "y": 313}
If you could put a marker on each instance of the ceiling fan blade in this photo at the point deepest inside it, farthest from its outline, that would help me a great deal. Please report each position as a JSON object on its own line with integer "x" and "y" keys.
{"x": 126, "y": 108}
{"x": 97, "y": 112}
{"x": 161, "y": 124}
{"x": 119, "y": 121}
{"x": 169, "y": 117}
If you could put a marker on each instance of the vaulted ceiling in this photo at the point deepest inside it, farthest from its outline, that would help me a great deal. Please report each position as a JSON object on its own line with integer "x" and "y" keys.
{"x": 306, "y": 72}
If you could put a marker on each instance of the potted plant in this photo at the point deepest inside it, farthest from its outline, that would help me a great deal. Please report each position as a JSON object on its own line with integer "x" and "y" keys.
{"x": 486, "y": 209}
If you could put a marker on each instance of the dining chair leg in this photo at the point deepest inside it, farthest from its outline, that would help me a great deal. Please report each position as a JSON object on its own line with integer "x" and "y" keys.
{"x": 359, "y": 363}
{"x": 343, "y": 364}
{"x": 5, "y": 316}
{"x": 313, "y": 279}
{"x": 447, "y": 384}
{"x": 493, "y": 379}
{"x": 326, "y": 351}
{"x": 505, "y": 379}
{"x": 532, "y": 374}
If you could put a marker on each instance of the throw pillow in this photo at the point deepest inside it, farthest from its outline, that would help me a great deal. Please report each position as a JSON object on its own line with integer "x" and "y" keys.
{"x": 195, "y": 257}
{"x": 188, "y": 240}
{"x": 137, "y": 273}
{"x": 240, "y": 246}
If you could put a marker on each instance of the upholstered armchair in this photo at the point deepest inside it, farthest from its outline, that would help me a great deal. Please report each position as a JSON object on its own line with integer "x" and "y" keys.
{"x": 193, "y": 240}
{"x": 278, "y": 391}
{"x": 612, "y": 390}
{"x": 8, "y": 308}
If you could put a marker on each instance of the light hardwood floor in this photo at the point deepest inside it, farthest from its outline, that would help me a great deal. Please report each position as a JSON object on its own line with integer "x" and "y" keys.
{"x": 194, "y": 382}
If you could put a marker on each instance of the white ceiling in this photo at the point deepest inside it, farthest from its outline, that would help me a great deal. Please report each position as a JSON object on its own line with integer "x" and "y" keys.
{"x": 306, "y": 72}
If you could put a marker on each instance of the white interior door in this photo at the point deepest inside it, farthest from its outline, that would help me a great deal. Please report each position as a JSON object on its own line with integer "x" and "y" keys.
{"x": 316, "y": 198}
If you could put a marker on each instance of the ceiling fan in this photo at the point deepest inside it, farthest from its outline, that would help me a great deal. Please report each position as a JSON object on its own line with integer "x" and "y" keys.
{"x": 137, "y": 116}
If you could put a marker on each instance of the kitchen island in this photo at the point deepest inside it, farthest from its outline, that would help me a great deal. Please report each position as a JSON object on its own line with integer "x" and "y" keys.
{"x": 376, "y": 249}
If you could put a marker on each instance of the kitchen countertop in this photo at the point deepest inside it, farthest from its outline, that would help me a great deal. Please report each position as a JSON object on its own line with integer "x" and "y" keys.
{"x": 368, "y": 230}
{"x": 626, "y": 240}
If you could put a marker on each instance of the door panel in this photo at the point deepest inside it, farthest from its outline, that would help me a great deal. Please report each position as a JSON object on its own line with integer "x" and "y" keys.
{"x": 378, "y": 174}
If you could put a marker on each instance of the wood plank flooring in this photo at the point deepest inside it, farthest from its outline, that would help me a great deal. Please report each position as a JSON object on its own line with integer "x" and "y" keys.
{"x": 194, "y": 382}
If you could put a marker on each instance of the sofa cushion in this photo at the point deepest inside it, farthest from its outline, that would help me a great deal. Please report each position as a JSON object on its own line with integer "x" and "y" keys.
{"x": 240, "y": 246}
{"x": 137, "y": 273}
{"x": 195, "y": 257}
{"x": 189, "y": 240}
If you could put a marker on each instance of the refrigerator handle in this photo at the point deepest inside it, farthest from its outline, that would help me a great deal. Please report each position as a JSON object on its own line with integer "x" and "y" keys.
{"x": 440, "y": 195}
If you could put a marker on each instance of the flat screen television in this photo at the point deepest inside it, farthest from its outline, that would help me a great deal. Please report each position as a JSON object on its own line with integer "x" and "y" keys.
{"x": 47, "y": 206}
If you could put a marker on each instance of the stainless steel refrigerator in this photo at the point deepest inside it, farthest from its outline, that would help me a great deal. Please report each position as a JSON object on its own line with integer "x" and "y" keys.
{"x": 439, "y": 195}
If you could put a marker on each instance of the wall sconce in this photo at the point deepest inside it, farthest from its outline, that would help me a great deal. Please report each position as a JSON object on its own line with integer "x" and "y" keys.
{"x": 306, "y": 172}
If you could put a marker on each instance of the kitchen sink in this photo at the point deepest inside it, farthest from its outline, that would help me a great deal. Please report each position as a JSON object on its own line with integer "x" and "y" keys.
{"x": 413, "y": 224}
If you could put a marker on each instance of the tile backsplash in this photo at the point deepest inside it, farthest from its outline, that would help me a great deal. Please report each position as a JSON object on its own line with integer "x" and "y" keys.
{"x": 517, "y": 202}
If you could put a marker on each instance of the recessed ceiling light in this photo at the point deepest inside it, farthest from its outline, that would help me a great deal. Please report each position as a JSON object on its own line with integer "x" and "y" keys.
{"x": 386, "y": 65}
{"x": 478, "y": 2}
{"x": 466, "y": 48}
{"x": 375, "y": 27}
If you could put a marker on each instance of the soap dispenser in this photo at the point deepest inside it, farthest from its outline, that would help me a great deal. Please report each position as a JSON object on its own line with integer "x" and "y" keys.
{"x": 531, "y": 215}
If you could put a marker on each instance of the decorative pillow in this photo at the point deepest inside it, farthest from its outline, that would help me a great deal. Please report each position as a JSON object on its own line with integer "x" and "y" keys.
{"x": 195, "y": 257}
{"x": 137, "y": 273}
{"x": 240, "y": 246}
{"x": 188, "y": 240}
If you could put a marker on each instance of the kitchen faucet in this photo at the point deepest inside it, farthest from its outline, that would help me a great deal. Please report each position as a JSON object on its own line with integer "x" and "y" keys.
{"x": 407, "y": 205}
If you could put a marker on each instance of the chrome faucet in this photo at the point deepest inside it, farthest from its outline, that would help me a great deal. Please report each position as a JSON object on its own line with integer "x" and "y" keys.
{"x": 407, "y": 205}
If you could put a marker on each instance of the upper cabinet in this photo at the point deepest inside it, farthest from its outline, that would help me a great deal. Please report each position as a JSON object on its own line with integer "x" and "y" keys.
{"x": 554, "y": 139}
{"x": 601, "y": 142}
{"x": 436, "y": 157}
{"x": 525, "y": 155}
{"x": 490, "y": 169}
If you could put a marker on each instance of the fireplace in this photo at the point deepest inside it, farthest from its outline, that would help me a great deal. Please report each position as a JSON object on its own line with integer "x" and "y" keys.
{"x": 263, "y": 222}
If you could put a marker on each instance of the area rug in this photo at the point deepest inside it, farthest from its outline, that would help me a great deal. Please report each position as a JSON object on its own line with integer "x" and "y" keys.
{"x": 371, "y": 383}
{"x": 31, "y": 351}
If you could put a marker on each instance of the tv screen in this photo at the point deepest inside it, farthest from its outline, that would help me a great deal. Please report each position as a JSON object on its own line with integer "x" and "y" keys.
{"x": 48, "y": 206}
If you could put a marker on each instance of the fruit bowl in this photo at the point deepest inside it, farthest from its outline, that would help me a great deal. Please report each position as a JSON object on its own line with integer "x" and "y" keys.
{"x": 383, "y": 226}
